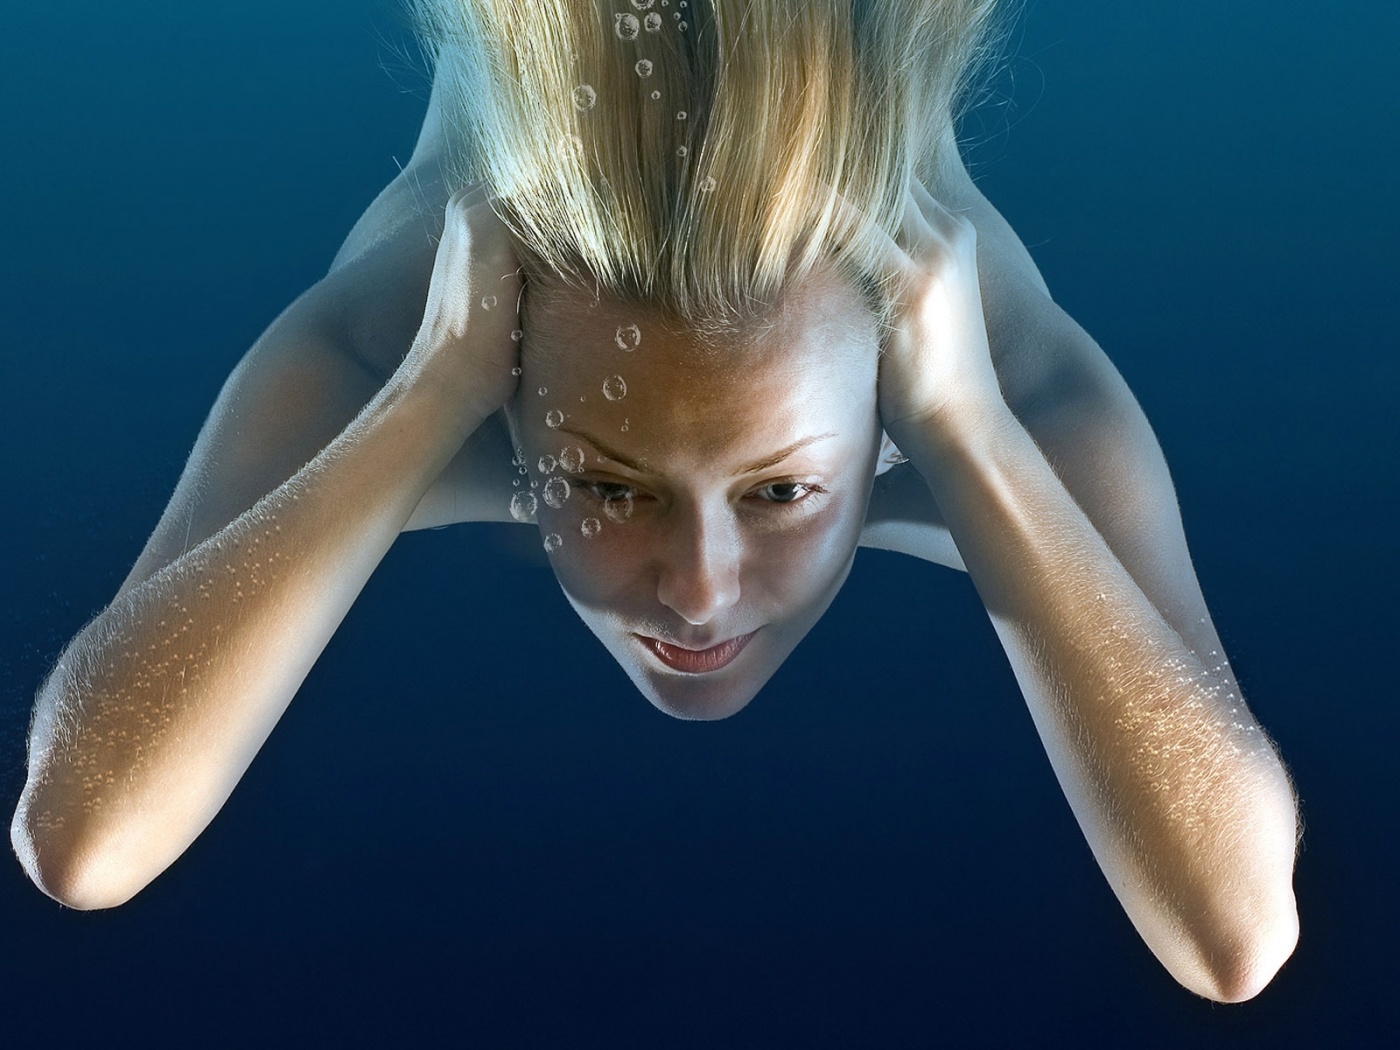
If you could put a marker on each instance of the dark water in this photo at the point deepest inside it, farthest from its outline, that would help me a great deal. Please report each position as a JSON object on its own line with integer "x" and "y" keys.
{"x": 441, "y": 847}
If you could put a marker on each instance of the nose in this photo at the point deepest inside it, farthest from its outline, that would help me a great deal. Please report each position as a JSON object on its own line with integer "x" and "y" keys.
{"x": 699, "y": 572}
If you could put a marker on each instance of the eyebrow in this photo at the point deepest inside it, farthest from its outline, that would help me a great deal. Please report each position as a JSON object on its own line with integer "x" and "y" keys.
{"x": 752, "y": 468}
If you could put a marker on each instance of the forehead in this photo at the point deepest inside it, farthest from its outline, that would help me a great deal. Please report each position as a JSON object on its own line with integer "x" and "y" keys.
{"x": 819, "y": 341}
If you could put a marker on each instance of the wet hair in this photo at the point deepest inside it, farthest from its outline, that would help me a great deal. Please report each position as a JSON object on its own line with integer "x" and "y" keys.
{"x": 691, "y": 158}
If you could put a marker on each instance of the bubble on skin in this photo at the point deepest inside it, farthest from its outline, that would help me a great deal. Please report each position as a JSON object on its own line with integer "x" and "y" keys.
{"x": 628, "y": 337}
{"x": 590, "y": 527}
{"x": 643, "y": 67}
{"x": 626, "y": 26}
{"x": 585, "y": 98}
{"x": 488, "y": 302}
{"x": 547, "y": 464}
{"x": 557, "y": 492}
{"x": 553, "y": 418}
{"x": 652, "y": 23}
{"x": 614, "y": 388}
{"x": 552, "y": 542}
{"x": 618, "y": 509}
{"x": 523, "y": 506}
{"x": 571, "y": 458}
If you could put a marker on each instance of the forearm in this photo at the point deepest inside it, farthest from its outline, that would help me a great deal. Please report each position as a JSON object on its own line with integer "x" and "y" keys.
{"x": 1181, "y": 797}
{"x": 155, "y": 710}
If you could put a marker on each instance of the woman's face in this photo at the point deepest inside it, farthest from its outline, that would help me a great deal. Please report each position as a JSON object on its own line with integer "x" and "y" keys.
{"x": 701, "y": 521}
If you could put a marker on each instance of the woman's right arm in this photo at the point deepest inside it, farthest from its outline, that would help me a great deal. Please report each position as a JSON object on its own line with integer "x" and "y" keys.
{"x": 308, "y": 469}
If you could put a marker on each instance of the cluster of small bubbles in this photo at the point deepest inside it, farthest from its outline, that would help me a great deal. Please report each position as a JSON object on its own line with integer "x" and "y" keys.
{"x": 585, "y": 98}
{"x": 652, "y": 23}
{"x": 556, "y": 492}
{"x": 547, "y": 464}
{"x": 488, "y": 301}
{"x": 614, "y": 388}
{"x": 626, "y": 26}
{"x": 517, "y": 458}
{"x": 707, "y": 184}
{"x": 618, "y": 509}
{"x": 522, "y": 506}
{"x": 515, "y": 335}
{"x": 655, "y": 96}
{"x": 643, "y": 67}
{"x": 590, "y": 527}
{"x": 552, "y": 543}
{"x": 628, "y": 337}
{"x": 681, "y": 151}
{"x": 626, "y": 423}
{"x": 543, "y": 390}
{"x": 571, "y": 458}
{"x": 553, "y": 418}
{"x": 571, "y": 146}
{"x": 515, "y": 371}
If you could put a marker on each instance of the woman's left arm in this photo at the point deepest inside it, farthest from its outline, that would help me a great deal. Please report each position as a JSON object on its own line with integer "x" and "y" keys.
{"x": 1064, "y": 515}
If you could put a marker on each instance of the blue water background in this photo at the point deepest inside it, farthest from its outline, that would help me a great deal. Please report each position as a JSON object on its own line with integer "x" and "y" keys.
{"x": 469, "y": 829}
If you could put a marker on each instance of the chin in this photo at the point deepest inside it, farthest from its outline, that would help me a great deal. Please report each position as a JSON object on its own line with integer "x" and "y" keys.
{"x": 698, "y": 698}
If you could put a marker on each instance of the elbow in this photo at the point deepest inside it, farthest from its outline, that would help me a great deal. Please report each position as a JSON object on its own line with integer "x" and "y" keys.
{"x": 1240, "y": 971}
{"x": 64, "y": 869}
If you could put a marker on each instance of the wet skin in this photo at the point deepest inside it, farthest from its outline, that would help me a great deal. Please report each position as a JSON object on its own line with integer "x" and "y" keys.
{"x": 729, "y": 485}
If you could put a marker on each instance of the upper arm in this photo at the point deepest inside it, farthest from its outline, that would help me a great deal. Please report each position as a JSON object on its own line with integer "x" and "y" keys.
{"x": 1095, "y": 437}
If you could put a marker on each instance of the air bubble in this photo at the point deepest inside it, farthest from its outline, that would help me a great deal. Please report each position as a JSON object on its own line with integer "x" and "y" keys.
{"x": 552, "y": 543}
{"x": 655, "y": 96}
{"x": 707, "y": 184}
{"x": 488, "y": 301}
{"x": 681, "y": 115}
{"x": 542, "y": 391}
{"x": 626, "y": 26}
{"x": 628, "y": 337}
{"x": 618, "y": 509}
{"x": 585, "y": 98}
{"x": 614, "y": 389}
{"x": 553, "y": 418}
{"x": 522, "y": 507}
{"x": 571, "y": 458}
{"x": 643, "y": 67}
{"x": 515, "y": 335}
{"x": 556, "y": 492}
{"x": 681, "y": 151}
{"x": 684, "y": 25}
{"x": 547, "y": 464}
{"x": 642, "y": 5}
{"x": 652, "y": 23}
{"x": 590, "y": 527}
{"x": 515, "y": 371}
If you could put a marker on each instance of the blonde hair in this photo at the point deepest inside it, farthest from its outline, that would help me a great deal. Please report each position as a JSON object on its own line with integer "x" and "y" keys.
{"x": 693, "y": 157}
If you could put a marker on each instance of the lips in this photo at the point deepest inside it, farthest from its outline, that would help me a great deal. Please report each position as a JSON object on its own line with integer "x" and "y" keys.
{"x": 697, "y": 661}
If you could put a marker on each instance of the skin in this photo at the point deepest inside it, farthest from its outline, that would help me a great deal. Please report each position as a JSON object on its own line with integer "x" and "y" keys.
{"x": 1032, "y": 468}
{"x": 712, "y": 549}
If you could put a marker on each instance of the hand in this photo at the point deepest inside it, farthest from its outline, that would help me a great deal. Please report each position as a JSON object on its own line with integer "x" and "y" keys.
{"x": 464, "y": 346}
{"x": 936, "y": 369}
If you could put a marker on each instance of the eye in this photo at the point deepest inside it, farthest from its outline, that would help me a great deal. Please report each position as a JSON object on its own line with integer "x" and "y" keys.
{"x": 608, "y": 491}
{"x": 786, "y": 492}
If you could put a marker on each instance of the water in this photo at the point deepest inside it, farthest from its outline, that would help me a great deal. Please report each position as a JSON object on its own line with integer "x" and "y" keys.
{"x": 468, "y": 812}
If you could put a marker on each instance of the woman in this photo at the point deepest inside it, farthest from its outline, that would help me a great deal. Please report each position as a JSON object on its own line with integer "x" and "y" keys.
{"x": 688, "y": 284}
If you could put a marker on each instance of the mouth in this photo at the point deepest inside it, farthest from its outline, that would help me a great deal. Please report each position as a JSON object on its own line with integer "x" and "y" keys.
{"x": 697, "y": 661}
